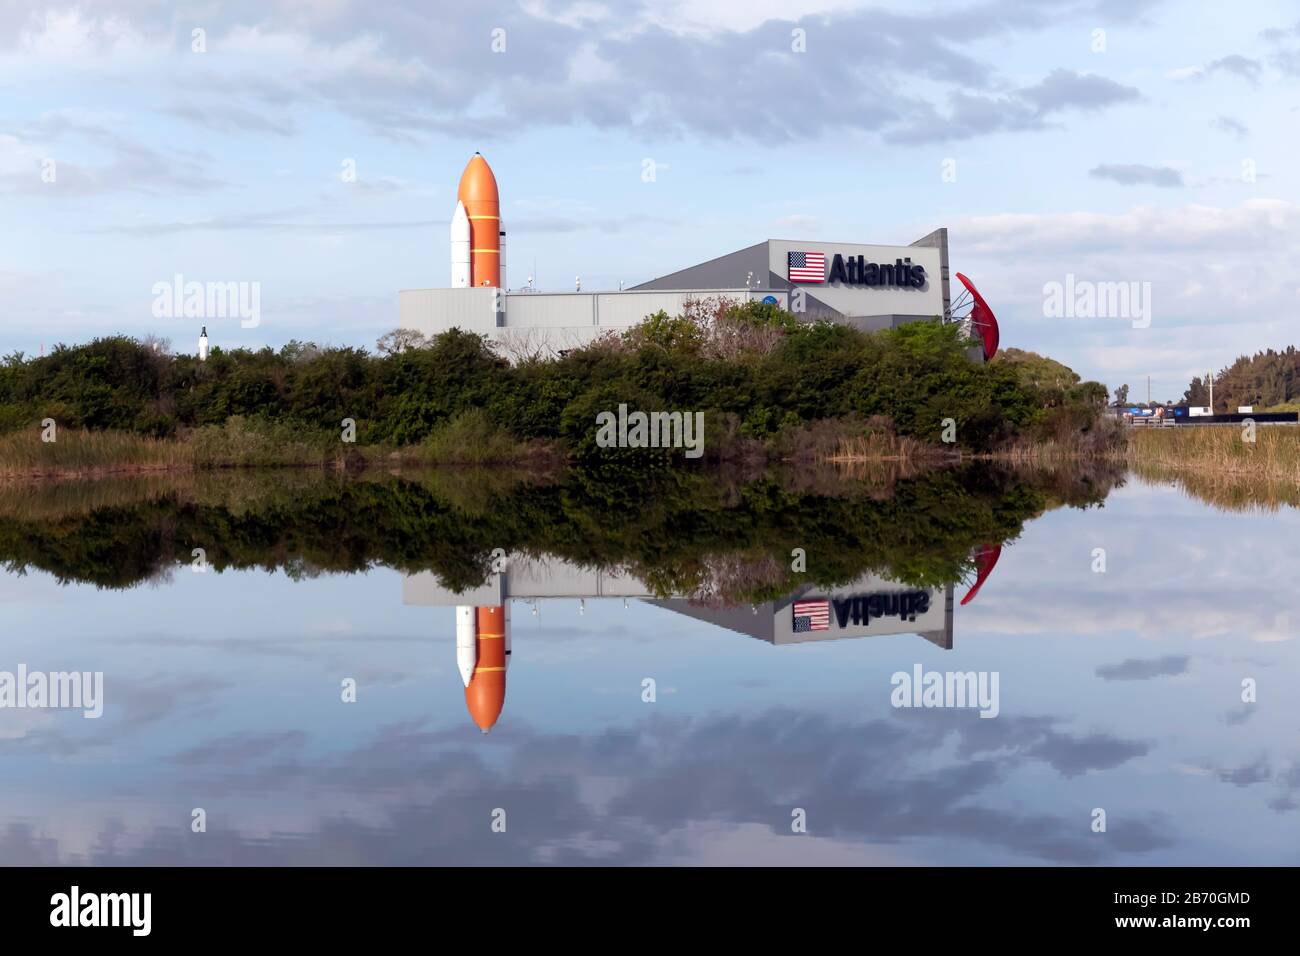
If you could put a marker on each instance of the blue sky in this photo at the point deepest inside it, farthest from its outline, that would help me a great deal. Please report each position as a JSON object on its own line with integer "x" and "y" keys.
{"x": 1160, "y": 150}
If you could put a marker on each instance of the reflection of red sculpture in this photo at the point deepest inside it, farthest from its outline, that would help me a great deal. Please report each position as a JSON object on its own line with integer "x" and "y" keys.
{"x": 982, "y": 318}
{"x": 986, "y": 556}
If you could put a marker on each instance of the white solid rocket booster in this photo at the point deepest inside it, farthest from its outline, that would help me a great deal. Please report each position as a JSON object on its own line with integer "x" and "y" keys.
{"x": 466, "y": 641}
{"x": 460, "y": 247}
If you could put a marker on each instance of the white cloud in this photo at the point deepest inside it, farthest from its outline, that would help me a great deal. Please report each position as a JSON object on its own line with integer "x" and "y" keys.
{"x": 71, "y": 39}
{"x": 588, "y": 66}
{"x": 1150, "y": 228}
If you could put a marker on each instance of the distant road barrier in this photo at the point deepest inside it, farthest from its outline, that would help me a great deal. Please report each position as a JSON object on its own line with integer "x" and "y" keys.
{"x": 1232, "y": 418}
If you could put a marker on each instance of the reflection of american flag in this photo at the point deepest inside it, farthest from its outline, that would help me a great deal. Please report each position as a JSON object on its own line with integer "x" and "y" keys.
{"x": 806, "y": 266}
{"x": 812, "y": 616}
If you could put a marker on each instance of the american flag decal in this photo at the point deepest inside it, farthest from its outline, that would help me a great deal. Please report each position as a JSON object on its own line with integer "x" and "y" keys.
{"x": 811, "y": 615}
{"x": 806, "y": 266}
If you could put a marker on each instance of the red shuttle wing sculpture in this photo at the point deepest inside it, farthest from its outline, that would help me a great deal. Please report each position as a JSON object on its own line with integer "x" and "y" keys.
{"x": 982, "y": 318}
{"x": 986, "y": 556}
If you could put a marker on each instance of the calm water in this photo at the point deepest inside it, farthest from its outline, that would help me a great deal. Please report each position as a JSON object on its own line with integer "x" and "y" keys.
{"x": 1119, "y": 690}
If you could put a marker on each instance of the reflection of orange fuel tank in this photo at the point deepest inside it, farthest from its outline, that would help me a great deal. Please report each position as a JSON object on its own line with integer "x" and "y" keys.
{"x": 486, "y": 692}
{"x": 478, "y": 191}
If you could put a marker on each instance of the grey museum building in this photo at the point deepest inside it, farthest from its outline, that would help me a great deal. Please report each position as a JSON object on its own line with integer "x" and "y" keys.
{"x": 864, "y": 285}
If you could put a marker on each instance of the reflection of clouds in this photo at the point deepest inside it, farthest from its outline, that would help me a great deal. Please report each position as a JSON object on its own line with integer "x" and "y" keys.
{"x": 1175, "y": 568}
{"x": 1289, "y": 782}
{"x": 412, "y": 794}
{"x": 1134, "y": 669}
{"x": 242, "y": 748}
{"x": 1263, "y": 769}
{"x": 1155, "y": 613}
{"x": 709, "y": 844}
{"x": 279, "y": 644}
{"x": 130, "y": 704}
{"x": 1036, "y": 737}
{"x": 1238, "y": 716}
{"x": 1254, "y": 772}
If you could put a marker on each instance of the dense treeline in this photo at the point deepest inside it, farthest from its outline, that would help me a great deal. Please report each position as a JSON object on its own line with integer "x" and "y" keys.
{"x": 1265, "y": 380}
{"x": 753, "y": 370}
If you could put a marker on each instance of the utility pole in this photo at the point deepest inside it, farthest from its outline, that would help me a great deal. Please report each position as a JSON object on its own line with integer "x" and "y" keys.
{"x": 1210, "y": 376}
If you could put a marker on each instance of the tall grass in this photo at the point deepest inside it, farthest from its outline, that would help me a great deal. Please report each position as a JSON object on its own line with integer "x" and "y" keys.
{"x": 237, "y": 443}
{"x": 1219, "y": 449}
{"x": 849, "y": 440}
{"x": 879, "y": 446}
{"x": 1103, "y": 439}
{"x": 244, "y": 443}
{"x": 89, "y": 453}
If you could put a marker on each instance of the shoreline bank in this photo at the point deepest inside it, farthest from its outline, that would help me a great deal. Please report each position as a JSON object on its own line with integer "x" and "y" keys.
{"x": 1266, "y": 454}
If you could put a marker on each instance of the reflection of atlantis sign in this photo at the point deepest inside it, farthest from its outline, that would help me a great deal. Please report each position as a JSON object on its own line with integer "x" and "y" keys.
{"x": 860, "y": 609}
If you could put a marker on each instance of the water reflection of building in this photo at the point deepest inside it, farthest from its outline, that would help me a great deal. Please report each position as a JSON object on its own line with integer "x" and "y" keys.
{"x": 867, "y": 607}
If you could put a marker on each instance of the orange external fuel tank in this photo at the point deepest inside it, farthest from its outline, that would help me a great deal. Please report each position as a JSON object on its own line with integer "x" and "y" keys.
{"x": 486, "y": 692}
{"x": 478, "y": 191}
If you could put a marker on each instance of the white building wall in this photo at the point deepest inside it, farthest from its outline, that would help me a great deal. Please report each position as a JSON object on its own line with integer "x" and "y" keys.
{"x": 435, "y": 310}
{"x": 548, "y": 321}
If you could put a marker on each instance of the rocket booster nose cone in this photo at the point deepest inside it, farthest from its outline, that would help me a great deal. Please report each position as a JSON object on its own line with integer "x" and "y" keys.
{"x": 485, "y": 698}
{"x": 477, "y": 183}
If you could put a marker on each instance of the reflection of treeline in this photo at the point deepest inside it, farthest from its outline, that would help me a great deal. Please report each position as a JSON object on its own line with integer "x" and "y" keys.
{"x": 757, "y": 374}
{"x": 671, "y": 529}
{"x": 1222, "y": 465}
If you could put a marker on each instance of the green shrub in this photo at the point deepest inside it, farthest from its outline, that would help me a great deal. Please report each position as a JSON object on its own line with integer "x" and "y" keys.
{"x": 471, "y": 438}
